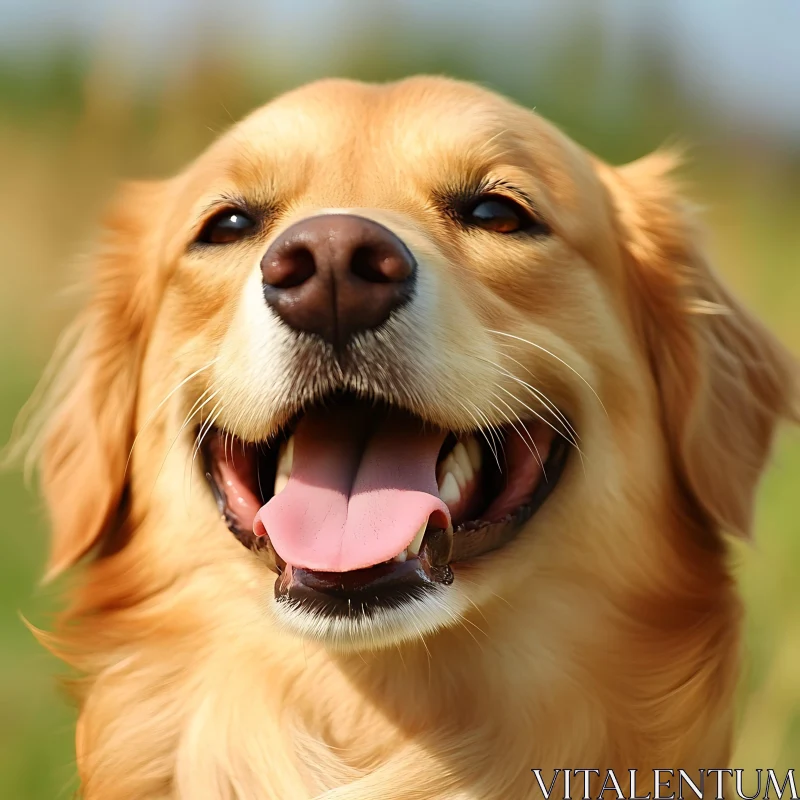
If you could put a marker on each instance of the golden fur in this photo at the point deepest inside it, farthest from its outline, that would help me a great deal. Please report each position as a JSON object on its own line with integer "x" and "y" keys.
{"x": 606, "y": 636}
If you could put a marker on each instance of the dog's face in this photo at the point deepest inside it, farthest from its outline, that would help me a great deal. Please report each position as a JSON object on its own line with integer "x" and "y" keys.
{"x": 386, "y": 356}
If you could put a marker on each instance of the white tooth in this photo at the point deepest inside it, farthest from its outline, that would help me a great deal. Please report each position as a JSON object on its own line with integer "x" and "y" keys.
{"x": 414, "y": 547}
{"x": 450, "y": 466}
{"x": 442, "y": 469}
{"x": 286, "y": 457}
{"x": 280, "y": 483}
{"x": 458, "y": 474}
{"x": 449, "y": 493}
{"x": 474, "y": 452}
{"x": 283, "y": 468}
{"x": 462, "y": 459}
{"x": 401, "y": 557}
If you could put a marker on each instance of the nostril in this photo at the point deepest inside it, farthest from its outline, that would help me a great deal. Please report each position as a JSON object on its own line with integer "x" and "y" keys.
{"x": 381, "y": 265}
{"x": 366, "y": 263}
{"x": 290, "y": 269}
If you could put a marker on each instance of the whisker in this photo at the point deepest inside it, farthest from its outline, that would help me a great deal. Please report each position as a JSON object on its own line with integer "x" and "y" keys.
{"x": 537, "y": 393}
{"x": 463, "y": 623}
{"x": 573, "y": 443}
{"x": 525, "y": 405}
{"x": 497, "y": 443}
{"x": 258, "y": 478}
{"x": 225, "y": 442}
{"x": 155, "y": 411}
{"x": 493, "y": 429}
{"x": 195, "y": 409}
{"x": 205, "y": 427}
{"x": 400, "y": 653}
{"x": 515, "y": 416}
{"x": 547, "y": 422}
{"x": 502, "y": 599}
{"x": 482, "y": 430}
{"x": 423, "y": 642}
{"x": 535, "y": 451}
{"x": 552, "y": 355}
{"x": 478, "y": 609}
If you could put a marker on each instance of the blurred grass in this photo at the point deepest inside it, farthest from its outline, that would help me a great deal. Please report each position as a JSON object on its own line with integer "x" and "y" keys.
{"x": 72, "y": 125}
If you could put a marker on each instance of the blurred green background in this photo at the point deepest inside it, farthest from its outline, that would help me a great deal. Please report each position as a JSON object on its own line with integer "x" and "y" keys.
{"x": 92, "y": 92}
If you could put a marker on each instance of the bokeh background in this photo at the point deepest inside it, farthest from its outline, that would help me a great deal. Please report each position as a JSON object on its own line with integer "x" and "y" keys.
{"x": 92, "y": 92}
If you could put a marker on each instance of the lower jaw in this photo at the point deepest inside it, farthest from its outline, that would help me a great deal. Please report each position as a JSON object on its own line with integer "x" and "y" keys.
{"x": 360, "y": 592}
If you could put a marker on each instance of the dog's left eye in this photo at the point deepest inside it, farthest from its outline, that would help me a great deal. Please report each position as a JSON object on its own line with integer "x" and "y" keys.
{"x": 225, "y": 227}
{"x": 500, "y": 215}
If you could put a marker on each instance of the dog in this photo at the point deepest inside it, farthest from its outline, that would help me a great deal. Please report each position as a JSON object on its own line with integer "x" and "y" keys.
{"x": 400, "y": 444}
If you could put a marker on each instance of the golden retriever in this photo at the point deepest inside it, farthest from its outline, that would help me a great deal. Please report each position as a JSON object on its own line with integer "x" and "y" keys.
{"x": 401, "y": 436}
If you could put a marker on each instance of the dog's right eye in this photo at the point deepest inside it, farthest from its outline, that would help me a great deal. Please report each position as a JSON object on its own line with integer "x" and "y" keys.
{"x": 226, "y": 227}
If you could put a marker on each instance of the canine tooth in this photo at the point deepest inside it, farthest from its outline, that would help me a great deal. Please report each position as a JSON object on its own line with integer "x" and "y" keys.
{"x": 449, "y": 493}
{"x": 286, "y": 457}
{"x": 414, "y": 547}
{"x": 474, "y": 452}
{"x": 401, "y": 557}
{"x": 462, "y": 459}
{"x": 283, "y": 469}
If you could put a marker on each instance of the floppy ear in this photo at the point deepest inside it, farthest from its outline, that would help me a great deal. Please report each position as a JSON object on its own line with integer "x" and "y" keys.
{"x": 86, "y": 439}
{"x": 724, "y": 381}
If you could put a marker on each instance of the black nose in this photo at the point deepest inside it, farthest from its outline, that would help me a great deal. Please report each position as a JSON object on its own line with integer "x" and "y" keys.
{"x": 337, "y": 274}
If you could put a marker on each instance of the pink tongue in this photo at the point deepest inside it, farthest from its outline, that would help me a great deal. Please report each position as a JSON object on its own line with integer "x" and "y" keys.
{"x": 357, "y": 495}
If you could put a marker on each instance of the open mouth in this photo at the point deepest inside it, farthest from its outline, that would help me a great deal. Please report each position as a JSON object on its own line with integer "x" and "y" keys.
{"x": 358, "y": 506}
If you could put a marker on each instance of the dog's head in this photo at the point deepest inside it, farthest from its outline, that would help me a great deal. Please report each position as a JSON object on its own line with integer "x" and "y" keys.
{"x": 386, "y": 354}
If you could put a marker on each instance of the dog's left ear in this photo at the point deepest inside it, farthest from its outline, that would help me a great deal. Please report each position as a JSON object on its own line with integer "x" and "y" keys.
{"x": 723, "y": 379}
{"x": 89, "y": 427}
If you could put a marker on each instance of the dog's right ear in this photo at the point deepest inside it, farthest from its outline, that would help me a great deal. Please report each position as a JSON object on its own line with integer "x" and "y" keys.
{"x": 84, "y": 443}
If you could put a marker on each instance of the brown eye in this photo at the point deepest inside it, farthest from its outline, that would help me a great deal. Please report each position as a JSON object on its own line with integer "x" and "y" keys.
{"x": 500, "y": 215}
{"x": 226, "y": 227}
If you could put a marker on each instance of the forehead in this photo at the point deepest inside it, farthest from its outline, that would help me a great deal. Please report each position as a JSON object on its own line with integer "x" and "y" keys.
{"x": 350, "y": 139}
